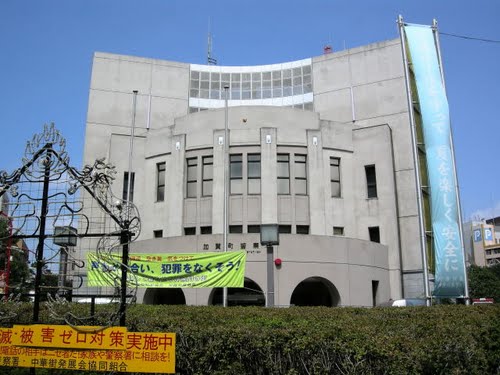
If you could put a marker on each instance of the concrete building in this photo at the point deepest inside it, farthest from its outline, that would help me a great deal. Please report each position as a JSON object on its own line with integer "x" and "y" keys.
{"x": 482, "y": 241}
{"x": 320, "y": 146}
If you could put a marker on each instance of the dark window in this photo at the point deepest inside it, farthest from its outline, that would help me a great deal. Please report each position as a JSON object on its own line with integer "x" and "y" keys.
{"x": 190, "y": 231}
{"x": 206, "y": 230}
{"x": 338, "y": 231}
{"x": 158, "y": 233}
{"x": 285, "y": 229}
{"x": 374, "y": 234}
{"x": 160, "y": 182}
{"x": 335, "y": 176}
{"x": 192, "y": 177}
{"x": 253, "y": 229}
{"x": 236, "y": 229}
{"x": 208, "y": 164}
{"x": 371, "y": 181}
{"x": 283, "y": 173}
{"x": 125, "y": 186}
{"x": 300, "y": 174}
{"x": 374, "y": 292}
{"x": 253, "y": 167}
{"x": 302, "y": 229}
{"x": 236, "y": 174}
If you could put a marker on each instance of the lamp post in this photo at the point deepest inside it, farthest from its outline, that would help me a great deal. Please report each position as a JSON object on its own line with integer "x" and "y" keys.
{"x": 269, "y": 236}
{"x": 65, "y": 237}
{"x": 226, "y": 182}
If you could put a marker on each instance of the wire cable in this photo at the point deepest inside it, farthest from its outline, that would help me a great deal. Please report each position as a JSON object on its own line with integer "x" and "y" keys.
{"x": 470, "y": 38}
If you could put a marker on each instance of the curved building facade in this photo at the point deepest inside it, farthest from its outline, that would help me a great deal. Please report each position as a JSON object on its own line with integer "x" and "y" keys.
{"x": 321, "y": 146}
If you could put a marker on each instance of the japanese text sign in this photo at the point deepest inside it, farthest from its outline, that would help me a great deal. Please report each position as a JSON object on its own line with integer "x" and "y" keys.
{"x": 183, "y": 270}
{"x": 449, "y": 257}
{"x": 61, "y": 336}
{"x": 146, "y": 352}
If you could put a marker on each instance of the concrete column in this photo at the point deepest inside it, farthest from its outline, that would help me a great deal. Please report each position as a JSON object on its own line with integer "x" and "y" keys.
{"x": 175, "y": 185}
{"x": 315, "y": 185}
{"x": 269, "y": 187}
{"x": 218, "y": 183}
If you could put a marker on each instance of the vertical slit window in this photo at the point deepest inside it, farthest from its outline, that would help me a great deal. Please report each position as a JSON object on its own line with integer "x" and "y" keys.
{"x": 208, "y": 164}
{"x": 236, "y": 174}
{"x": 192, "y": 177}
{"x": 283, "y": 173}
{"x": 300, "y": 174}
{"x": 335, "y": 176}
{"x": 160, "y": 182}
{"x": 125, "y": 186}
{"x": 371, "y": 181}
{"x": 253, "y": 166}
{"x": 374, "y": 233}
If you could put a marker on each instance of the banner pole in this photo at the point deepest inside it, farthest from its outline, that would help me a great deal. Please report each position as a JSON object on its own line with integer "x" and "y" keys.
{"x": 435, "y": 32}
{"x": 423, "y": 242}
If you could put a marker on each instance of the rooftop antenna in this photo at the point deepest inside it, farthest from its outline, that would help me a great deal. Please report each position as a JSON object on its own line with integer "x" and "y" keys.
{"x": 327, "y": 49}
{"x": 210, "y": 59}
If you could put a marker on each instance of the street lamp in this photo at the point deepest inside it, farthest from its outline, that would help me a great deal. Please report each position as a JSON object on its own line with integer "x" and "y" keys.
{"x": 65, "y": 237}
{"x": 269, "y": 236}
{"x": 226, "y": 182}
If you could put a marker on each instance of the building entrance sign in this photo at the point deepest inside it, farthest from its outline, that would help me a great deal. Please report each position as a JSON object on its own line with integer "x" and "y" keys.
{"x": 87, "y": 349}
{"x": 182, "y": 270}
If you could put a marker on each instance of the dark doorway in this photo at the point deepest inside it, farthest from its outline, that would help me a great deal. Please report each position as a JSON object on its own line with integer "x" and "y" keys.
{"x": 164, "y": 296}
{"x": 250, "y": 295}
{"x": 315, "y": 291}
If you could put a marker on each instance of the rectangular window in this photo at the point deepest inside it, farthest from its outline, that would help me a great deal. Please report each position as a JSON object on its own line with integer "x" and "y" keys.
{"x": 236, "y": 229}
{"x": 125, "y": 186}
{"x": 283, "y": 173}
{"x": 192, "y": 177}
{"x": 371, "y": 181}
{"x": 158, "y": 233}
{"x": 300, "y": 174}
{"x": 208, "y": 168}
{"x": 236, "y": 174}
{"x": 253, "y": 167}
{"x": 338, "y": 231}
{"x": 253, "y": 229}
{"x": 285, "y": 229}
{"x": 206, "y": 230}
{"x": 374, "y": 234}
{"x": 302, "y": 229}
{"x": 335, "y": 176}
{"x": 190, "y": 231}
{"x": 160, "y": 182}
{"x": 374, "y": 292}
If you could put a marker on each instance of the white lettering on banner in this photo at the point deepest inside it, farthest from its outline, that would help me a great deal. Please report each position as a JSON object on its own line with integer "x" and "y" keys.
{"x": 445, "y": 185}
{"x": 442, "y": 153}
{"x": 449, "y": 232}
{"x": 443, "y": 169}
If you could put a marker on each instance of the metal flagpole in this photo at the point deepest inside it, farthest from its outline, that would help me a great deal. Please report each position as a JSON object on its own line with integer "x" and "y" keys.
{"x": 423, "y": 241}
{"x": 457, "y": 188}
{"x": 125, "y": 235}
{"x": 226, "y": 183}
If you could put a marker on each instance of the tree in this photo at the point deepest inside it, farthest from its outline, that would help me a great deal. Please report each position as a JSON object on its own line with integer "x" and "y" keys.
{"x": 20, "y": 277}
{"x": 484, "y": 282}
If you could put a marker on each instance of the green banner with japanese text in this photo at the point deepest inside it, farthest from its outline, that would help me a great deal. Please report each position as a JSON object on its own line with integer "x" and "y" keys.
{"x": 181, "y": 270}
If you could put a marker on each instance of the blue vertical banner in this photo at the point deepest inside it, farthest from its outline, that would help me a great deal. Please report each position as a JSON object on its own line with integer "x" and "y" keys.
{"x": 448, "y": 249}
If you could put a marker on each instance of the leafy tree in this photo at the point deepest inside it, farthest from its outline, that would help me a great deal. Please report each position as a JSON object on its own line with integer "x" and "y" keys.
{"x": 20, "y": 278}
{"x": 484, "y": 282}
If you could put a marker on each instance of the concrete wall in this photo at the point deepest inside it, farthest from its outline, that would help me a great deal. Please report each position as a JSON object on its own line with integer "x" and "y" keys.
{"x": 360, "y": 116}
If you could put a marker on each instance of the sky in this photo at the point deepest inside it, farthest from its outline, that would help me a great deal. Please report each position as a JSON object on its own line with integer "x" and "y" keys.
{"x": 46, "y": 50}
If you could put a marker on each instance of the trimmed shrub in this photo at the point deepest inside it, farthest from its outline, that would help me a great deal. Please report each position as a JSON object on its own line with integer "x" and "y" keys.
{"x": 445, "y": 339}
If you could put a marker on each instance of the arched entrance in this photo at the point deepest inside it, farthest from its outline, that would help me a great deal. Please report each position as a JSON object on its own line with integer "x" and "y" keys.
{"x": 164, "y": 296}
{"x": 250, "y": 295}
{"x": 315, "y": 291}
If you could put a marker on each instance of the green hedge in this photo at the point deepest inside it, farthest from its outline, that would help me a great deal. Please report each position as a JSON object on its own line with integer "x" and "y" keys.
{"x": 415, "y": 340}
